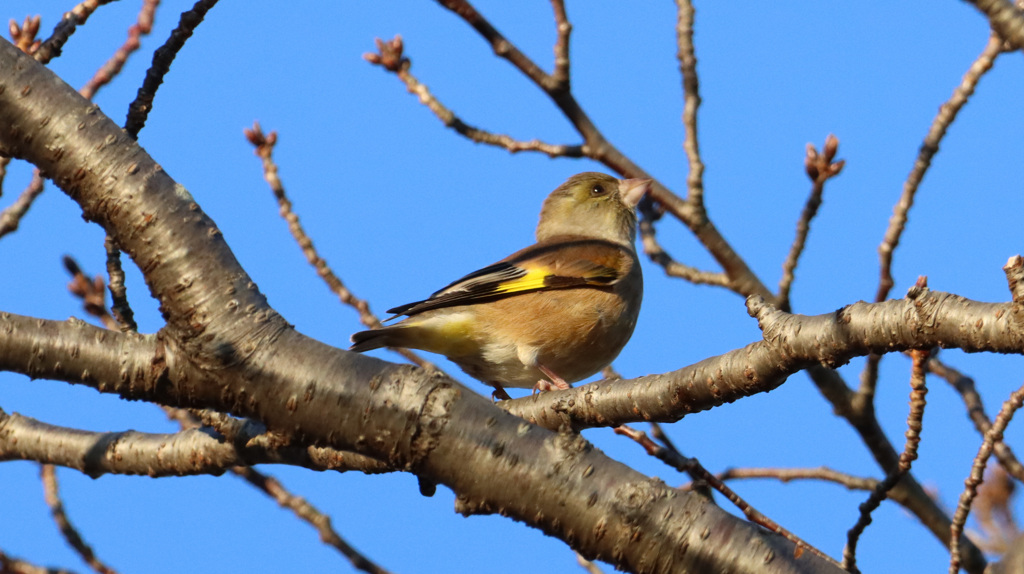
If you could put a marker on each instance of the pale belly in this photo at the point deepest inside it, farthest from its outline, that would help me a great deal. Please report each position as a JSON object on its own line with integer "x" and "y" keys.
{"x": 571, "y": 337}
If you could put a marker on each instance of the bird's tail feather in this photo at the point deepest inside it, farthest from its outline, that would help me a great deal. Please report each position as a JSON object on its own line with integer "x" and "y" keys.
{"x": 370, "y": 340}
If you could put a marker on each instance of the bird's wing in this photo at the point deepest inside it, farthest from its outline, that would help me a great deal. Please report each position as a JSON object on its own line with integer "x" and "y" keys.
{"x": 557, "y": 264}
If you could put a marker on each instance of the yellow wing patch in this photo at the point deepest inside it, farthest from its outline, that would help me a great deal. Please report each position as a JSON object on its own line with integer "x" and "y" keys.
{"x": 533, "y": 280}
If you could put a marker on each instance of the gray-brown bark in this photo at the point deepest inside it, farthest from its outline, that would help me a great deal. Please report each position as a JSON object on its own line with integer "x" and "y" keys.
{"x": 224, "y": 348}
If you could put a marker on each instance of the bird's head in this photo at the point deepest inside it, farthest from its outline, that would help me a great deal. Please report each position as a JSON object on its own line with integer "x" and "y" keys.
{"x": 594, "y": 205}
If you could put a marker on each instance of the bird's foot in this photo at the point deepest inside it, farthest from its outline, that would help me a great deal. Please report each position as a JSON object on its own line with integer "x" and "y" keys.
{"x": 545, "y": 385}
{"x": 556, "y": 382}
{"x": 499, "y": 394}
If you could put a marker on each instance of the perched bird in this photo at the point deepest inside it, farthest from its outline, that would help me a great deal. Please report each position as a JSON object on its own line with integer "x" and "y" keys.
{"x": 548, "y": 315}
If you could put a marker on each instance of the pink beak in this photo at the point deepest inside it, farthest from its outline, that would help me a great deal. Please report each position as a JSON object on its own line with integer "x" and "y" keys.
{"x": 633, "y": 190}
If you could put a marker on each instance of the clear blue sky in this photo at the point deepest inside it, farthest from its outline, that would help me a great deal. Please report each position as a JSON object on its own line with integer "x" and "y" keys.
{"x": 400, "y": 206}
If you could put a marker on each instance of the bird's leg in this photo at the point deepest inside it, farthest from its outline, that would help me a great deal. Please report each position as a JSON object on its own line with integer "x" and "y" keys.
{"x": 554, "y": 382}
{"x": 499, "y": 394}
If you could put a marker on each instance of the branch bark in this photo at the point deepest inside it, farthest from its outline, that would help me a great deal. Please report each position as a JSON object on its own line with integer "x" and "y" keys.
{"x": 224, "y": 348}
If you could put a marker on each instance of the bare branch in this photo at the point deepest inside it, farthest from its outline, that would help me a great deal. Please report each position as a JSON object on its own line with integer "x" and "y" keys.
{"x": 691, "y": 466}
{"x": 52, "y": 46}
{"x": 909, "y": 455}
{"x": 138, "y": 110}
{"x": 820, "y": 168}
{"x": 390, "y": 57}
{"x": 994, "y": 435}
{"x": 91, "y": 293}
{"x": 790, "y": 474}
{"x": 307, "y": 512}
{"x": 929, "y": 147}
{"x": 265, "y": 150}
{"x": 122, "y": 311}
{"x": 964, "y": 385}
{"x": 741, "y": 279}
{"x": 1005, "y": 19}
{"x": 113, "y": 66}
{"x": 924, "y": 320}
{"x": 673, "y": 268}
{"x": 10, "y": 565}
{"x": 587, "y": 565}
{"x": 687, "y": 57}
{"x": 68, "y": 531}
{"x": 190, "y": 452}
{"x": 560, "y": 75}
{"x": 10, "y": 218}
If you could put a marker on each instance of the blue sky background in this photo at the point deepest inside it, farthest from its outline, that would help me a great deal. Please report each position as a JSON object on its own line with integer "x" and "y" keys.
{"x": 400, "y": 206}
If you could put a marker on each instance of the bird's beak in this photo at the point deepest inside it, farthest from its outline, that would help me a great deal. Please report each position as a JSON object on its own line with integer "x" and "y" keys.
{"x": 633, "y": 190}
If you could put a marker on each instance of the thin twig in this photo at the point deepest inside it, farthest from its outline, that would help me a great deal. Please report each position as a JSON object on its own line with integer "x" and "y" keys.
{"x": 264, "y": 145}
{"x": 691, "y": 466}
{"x": 307, "y": 512}
{"x": 790, "y": 474}
{"x": 994, "y": 435}
{"x": 897, "y": 223}
{"x": 929, "y": 147}
{"x": 820, "y": 168}
{"x": 965, "y": 387}
{"x": 142, "y": 27}
{"x": 298, "y": 505}
{"x": 92, "y": 294}
{"x": 673, "y": 268}
{"x": 918, "y": 390}
{"x": 389, "y": 56}
{"x": 119, "y": 306}
{"x": 587, "y": 565}
{"x": 687, "y": 56}
{"x": 993, "y": 511}
{"x": 52, "y": 495}
{"x": 138, "y": 110}
{"x": 11, "y": 565}
{"x": 564, "y": 29}
{"x": 741, "y": 278}
{"x": 4, "y": 162}
{"x": 10, "y": 217}
{"x": 899, "y": 496}
{"x": 246, "y": 433}
{"x": 24, "y": 37}
{"x": 51, "y": 48}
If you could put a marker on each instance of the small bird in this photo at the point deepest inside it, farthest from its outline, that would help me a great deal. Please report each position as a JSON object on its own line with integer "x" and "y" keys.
{"x": 548, "y": 315}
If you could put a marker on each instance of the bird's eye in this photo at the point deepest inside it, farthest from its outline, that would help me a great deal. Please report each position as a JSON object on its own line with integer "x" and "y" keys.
{"x": 598, "y": 189}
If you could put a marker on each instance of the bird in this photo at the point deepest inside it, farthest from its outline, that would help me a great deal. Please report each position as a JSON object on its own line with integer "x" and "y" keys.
{"x": 548, "y": 315}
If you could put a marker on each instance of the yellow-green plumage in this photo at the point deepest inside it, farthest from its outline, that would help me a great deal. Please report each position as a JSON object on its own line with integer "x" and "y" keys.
{"x": 559, "y": 310}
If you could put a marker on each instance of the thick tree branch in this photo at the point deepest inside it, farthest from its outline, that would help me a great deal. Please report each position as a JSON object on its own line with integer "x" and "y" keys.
{"x": 791, "y": 343}
{"x": 186, "y": 453}
{"x": 1005, "y": 19}
{"x": 224, "y": 348}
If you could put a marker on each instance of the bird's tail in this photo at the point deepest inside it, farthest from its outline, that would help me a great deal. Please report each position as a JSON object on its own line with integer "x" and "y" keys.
{"x": 373, "y": 339}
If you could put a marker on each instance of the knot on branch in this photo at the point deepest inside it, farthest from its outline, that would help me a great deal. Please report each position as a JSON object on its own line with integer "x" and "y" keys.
{"x": 389, "y": 55}
{"x": 1014, "y": 270}
{"x": 925, "y": 308}
{"x": 920, "y": 288}
{"x": 770, "y": 319}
